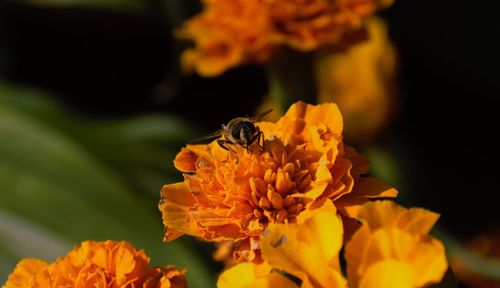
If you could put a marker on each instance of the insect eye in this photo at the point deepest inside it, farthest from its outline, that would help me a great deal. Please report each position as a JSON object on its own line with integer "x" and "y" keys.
{"x": 247, "y": 127}
{"x": 236, "y": 130}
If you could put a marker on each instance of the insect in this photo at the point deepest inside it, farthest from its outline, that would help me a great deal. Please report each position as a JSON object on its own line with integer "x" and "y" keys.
{"x": 239, "y": 131}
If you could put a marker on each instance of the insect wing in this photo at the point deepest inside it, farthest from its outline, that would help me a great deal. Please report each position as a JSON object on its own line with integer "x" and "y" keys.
{"x": 260, "y": 115}
{"x": 209, "y": 136}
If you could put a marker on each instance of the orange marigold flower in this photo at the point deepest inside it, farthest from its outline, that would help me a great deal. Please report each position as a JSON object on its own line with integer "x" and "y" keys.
{"x": 308, "y": 250}
{"x": 393, "y": 249}
{"x": 310, "y": 24}
{"x": 230, "y": 196}
{"x": 230, "y": 33}
{"x": 226, "y": 34}
{"x": 96, "y": 264}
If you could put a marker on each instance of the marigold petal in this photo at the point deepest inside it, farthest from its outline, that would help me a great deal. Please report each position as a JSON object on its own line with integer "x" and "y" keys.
{"x": 274, "y": 280}
{"x": 316, "y": 191}
{"x": 429, "y": 262}
{"x": 387, "y": 243}
{"x": 88, "y": 276}
{"x": 177, "y": 194}
{"x": 25, "y": 272}
{"x": 343, "y": 180}
{"x": 327, "y": 207}
{"x": 248, "y": 275}
{"x": 392, "y": 232}
{"x": 355, "y": 253}
{"x": 323, "y": 175}
{"x": 327, "y": 114}
{"x": 290, "y": 247}
{"x": 268, "y": 128}
{"x": 193, "y": 157}
{"x": 211, "y": 64}
{"x": 360, "y": 164}
{"x": 366, "y": 249}
{"x": 364, "y": 190}
{"x": 380, "y": 214}
{"x": 121, "y": 259}
{"x": 223, "y": 232}
{"x": 418, "y": 220}
{"x": 371, "y": 188}
{"x": 388, "y": 274}
{"x": 168, "y": 277}
{"x": 315, "y": 116}
{"x": 185, "y": 160}
{"x": 174, "y": 205}
{"x": 297, "y": 110}
{"x": 387, "y": 213}
{"x": 43, "y": 280}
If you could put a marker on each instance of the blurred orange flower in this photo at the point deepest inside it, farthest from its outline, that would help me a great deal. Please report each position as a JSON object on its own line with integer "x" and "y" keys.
{"x": 361, "y": 80}
{"x": 311, "y": 24}
{"x": 226, "y": 34}
{"x": 230, "y": 33}
{"x": 96, "y": 264}
{"x": 308, "y": 250}
{"x": 234, "y": 196}
{"x": 393, "y": 249}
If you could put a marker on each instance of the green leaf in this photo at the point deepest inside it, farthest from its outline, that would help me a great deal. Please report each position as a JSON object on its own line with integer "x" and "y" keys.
{"x": 155, "y": 129}
{"x": 127, "y": 145}
{"x": 22, "y": 239}
{"x": 59, "y": 175}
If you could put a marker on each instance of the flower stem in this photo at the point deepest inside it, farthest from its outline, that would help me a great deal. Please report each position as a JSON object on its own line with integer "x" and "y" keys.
{"x": 291, "y": 78}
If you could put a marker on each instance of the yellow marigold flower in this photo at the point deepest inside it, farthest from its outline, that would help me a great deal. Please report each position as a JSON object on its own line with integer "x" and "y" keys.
{"x": 230, "y": 33}
{"x": 362, "y": 82}
{"x": 96, "y": 264}
{"x": 308, "y": 250}
{"x": 249, "y": 275}
{"x": 234, "y": 196}
{"x": 393, "y": 249}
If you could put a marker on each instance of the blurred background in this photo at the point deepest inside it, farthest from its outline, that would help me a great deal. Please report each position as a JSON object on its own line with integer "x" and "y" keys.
{"x": 93, "y": 109}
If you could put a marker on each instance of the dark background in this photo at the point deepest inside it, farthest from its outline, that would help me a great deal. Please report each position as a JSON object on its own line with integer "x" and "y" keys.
{"x": 105, "y": 63}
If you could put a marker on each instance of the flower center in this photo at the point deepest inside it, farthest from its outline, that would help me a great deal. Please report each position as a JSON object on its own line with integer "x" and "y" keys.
{"x": 275, "y": 194}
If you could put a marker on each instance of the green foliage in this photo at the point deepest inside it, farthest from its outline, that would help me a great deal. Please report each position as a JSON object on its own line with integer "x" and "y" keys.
{"x": 74, "y": 180}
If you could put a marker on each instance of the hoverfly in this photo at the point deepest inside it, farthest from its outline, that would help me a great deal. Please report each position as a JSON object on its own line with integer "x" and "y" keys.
{"x": 239, "y": 131}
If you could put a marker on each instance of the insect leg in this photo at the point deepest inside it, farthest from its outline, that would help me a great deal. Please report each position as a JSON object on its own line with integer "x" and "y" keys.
{"x": 222, "y": 144}
{"x": 260, "y": 135}
{"x": 246, "y": 142}
{"x": 252, "y": 139}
